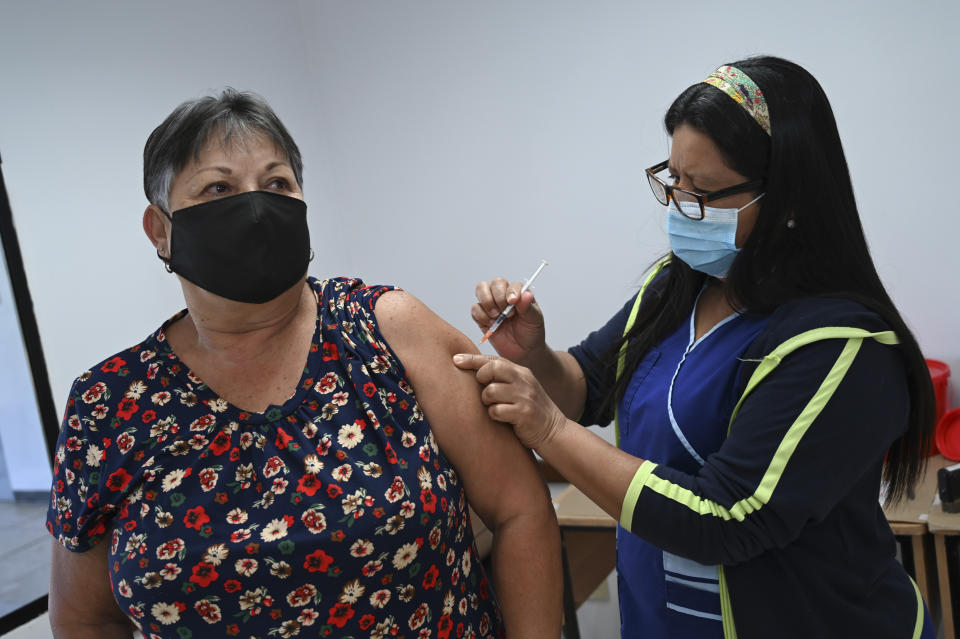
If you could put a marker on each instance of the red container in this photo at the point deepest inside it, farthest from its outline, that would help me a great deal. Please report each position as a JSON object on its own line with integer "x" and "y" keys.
{"x": 940, "y": 376}
{"x": 948, "y": 434}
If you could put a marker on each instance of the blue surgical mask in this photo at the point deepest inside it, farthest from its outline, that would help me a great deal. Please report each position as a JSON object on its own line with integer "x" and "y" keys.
{"x": 708, "y": 245}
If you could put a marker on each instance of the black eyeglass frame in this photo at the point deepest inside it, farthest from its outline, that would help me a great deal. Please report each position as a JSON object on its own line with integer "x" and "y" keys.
{"x": 665, "y": 192}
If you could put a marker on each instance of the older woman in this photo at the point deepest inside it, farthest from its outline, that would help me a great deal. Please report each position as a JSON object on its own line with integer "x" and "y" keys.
{"x": 285, "y": 452}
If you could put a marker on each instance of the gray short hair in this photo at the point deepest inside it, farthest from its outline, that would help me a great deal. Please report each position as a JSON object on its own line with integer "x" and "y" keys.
{"x": 182, "y": 136}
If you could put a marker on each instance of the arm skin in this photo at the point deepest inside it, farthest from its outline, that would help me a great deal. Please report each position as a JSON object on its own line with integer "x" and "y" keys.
{"x": 501, "y": 479}
{"x": 521, "y": 339}
{"x": 514, "y": 395}
{"x": 81, "y": 600}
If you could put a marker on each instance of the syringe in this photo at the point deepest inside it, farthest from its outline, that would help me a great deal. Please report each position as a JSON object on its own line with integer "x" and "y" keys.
{"x": 506, "y": 312}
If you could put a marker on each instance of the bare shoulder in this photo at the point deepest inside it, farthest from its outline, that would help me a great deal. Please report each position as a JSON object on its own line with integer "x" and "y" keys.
{"x": 411, "y": 328}
{"x": 499, "y": 474}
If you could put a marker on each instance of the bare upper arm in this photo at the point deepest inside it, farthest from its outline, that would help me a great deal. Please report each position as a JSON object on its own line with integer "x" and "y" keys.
{"x": 80, "y": 593}
{"x": 499, "y": 474}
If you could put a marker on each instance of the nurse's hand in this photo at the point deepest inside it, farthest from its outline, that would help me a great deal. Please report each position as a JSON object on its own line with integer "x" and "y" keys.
{"x": 513, "y": 395}
{"x": 521, "y": 334}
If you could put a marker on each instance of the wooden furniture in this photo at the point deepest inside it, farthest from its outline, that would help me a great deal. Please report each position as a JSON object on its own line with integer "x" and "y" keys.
{"x": 909, "y": 522}
{"x": 589, "y": 547}
{"x": 945, "y": 528}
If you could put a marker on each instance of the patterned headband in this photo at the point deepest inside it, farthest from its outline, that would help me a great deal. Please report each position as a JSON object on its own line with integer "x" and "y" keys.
{"x": 744, "y": 91}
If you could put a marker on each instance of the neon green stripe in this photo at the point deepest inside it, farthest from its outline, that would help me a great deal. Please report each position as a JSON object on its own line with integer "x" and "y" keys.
{"x": 726, "y": 607}
{"x": 630, "y": 320}
{"x": 633, "y": 492}
{"x": 770, "y": 361}
{"x": 781, "y": 457}
{"x": 918, "y": 626}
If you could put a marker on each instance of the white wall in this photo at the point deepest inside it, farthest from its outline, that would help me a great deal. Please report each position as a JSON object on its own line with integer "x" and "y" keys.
{"x": 450, "y": 142}
{"x": 24, "y": 453}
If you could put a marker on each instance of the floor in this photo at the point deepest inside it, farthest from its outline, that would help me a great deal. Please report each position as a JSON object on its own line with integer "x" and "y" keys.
{"x": 24, "y": 548}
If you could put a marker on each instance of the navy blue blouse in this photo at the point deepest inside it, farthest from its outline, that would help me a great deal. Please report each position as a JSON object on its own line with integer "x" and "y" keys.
{"x": 335, "y": 510}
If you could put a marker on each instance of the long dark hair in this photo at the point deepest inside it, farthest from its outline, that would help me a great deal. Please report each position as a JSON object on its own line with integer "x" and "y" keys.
{"x": 824, "y": 252}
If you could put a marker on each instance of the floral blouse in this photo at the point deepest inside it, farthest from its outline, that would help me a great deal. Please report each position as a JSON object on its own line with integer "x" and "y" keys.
{"x": 334, "y": 514}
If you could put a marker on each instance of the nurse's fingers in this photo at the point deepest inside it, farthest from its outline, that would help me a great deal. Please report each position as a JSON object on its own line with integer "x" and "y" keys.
{"x": 473, "y": 361}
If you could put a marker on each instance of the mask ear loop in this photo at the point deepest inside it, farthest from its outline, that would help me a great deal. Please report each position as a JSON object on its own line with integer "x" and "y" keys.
{"x": 166, "y": 262}
{"x": 311, "y": 255}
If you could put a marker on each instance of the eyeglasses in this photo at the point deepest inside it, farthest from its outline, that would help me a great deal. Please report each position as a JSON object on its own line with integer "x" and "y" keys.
{"x": 665, "y": 192}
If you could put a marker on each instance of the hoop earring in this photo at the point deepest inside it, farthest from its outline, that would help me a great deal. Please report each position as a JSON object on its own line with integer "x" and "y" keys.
{"x": 311, "y": 255}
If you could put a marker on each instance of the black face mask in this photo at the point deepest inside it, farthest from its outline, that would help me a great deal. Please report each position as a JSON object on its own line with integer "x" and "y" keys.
{"x": 249, "y": 247}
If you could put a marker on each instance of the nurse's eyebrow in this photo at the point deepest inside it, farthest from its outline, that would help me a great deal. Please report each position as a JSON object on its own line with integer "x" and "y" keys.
{"x": 674, "y": 173}
{"x": 695, "y": 178}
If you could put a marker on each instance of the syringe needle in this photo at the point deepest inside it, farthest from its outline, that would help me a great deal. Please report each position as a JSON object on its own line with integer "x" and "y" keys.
{"x": 506, "y": 312}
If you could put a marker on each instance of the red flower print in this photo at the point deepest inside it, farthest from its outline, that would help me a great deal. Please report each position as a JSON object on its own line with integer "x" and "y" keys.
{"x": 196, "y": 518}
{"x": 429, "y": 501}
{"x": 113, "y": 364}
{"x": 391, "y": 455}
{"x": 148, "y": 416}
{"x": 220, "y": 443}
{"x": 99, "y": 529}
{"x": 444, "y": 626}
{"x": 369, "y": 389}
{"x": 366, "y": 621}
{"x": 125, "y": 442}
{"x": 309, "y": 484}
{"x": 318, "y": 561}
{"x": 340, "y": 614}
{"x": 330, "y": 353}
{"x": 118, "y": 480}
{"x": 273, "y": 466}
{"x": 203, "y": 423}
{"x": 418, "y": 617}
{"x": 430, "y": 577}
{"x": 204, "y": 573}
{"x": 435, "y": 536}
{"x": 208, "y": 479}
{"x": 334, "y": 491}
{"x": 283, "y": 439}
{"x": 94, "y": 393}
{"x": 232, "y": 585}
{"x": 127, "y": 408}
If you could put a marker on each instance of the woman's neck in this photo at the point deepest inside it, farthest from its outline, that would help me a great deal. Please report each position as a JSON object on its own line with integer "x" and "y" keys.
{"x": 237, "y": 334}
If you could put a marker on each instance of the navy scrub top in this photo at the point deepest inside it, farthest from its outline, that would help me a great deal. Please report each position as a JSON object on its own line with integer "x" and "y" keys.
{"x": 675, "y": 412}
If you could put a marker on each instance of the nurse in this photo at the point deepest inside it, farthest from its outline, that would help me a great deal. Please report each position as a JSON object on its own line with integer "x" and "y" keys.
{"x": 762, "y": 382}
